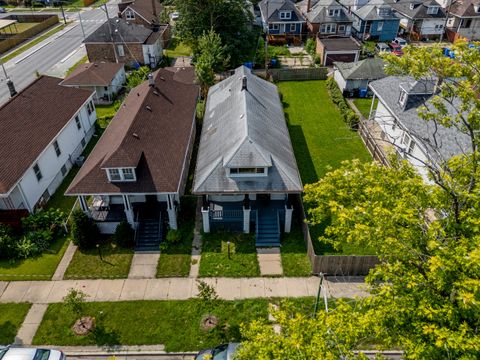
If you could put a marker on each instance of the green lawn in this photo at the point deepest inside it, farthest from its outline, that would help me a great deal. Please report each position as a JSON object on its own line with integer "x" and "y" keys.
{"x": 21, "y": 27}
{"x": 295, "y": 261}
{"x": 243, "y": 255}
{"x": 11, "y": 318}
{"x": 176, "y": 324}
{"x": 364, "y": 105}
{"x": 38, "y": 268}
{"x": 87, "y": 264}
{"x": 176, "y": 259}
{"x": 177, "y": 48}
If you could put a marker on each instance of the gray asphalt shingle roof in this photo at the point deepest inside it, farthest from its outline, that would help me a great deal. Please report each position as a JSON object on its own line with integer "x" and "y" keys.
{"x": 450, "y": 141}
{"x": 243, "y": 129}
{"x": 121, "y": 30}
{"x": 275, "y": 6}
{"x": 371, "y": 69}
{"x": 319, "y": 11}
{"x": 420, "y": 9}
{"x": 369, "y": 11}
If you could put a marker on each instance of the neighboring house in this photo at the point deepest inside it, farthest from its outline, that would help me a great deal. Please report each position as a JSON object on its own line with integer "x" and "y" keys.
{"x": 246, "y": 169}
{"x": 399, "y": 100}
{"x": 420, "y": 19}
{"x": 141, "y": 12}
{"x": 43, "y": 130}
{"x": 340, "y": 49}
{"x": 464, "y": 20}
{"x": 375, "y": 20}
{"x": 355, "y": 76}
{"x": 138, "y": 169}
{"x": 106, "y": 79}
{"x": 117, "y": 40}
{"x": 327, "y": 18}
{"x": 282, "y": 20}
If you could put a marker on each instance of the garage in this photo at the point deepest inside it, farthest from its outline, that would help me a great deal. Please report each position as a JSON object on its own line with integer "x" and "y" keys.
{"x": 337, "y": 50}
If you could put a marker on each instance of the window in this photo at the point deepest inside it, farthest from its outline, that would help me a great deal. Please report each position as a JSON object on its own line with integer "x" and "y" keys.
{"x": 394, "y": 125}
{"x": 63, "y": 170}
{"x": 438, "y": 27}
{"x": 120, "y": 50}
{"x": 83, "y": 142}
{"x": 77, "y": 121}
{"x": 128, "y": 174}
{"x": 275, "y": 27}
{"x": 432, "y": 10}
{"x": 285, "y": 15}
{"x": 341, "y": 28}
{"x": 384, "y": 11}
{"x": 333, "y": 12}
{"x": 380, "y": 26}
{"x": 105, "y": 88}
{"x": 129, "y": 15}
{"x": 90, "y": 108}
{"x": 293, "y": 27}
{"x": 248, "y": 171}
{"x": 114, "y": 175}
{"x": 328, "y": 29}
{"x": 403, "y": 98}
{"x": 408, "y": 142}
{"x": 466, "y": 23}
{"x": 57, "y": 148}
{"x": 38, "y": 173}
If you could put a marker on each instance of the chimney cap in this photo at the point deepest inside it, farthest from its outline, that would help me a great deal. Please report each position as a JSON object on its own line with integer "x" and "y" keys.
{"x": 244, "y": 82}
{"x": 151, "y": 80}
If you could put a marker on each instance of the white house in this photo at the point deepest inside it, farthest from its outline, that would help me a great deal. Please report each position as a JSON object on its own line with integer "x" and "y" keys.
{"x": 43, "y": 130}
{"x": 106, "y": 79}
{"x": 138, "y": 169}
{"x": 418, "y": 141}
{"x": 351, "y": 77}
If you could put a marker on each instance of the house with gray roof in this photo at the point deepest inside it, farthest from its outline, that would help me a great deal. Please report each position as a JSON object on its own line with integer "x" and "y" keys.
{"x": 421, "y": 19}
{"x": 282, "y": 20}
{"x": 463, "y": 20}
{"x": 246, "y": 170}
{"x": 326, "y": 18}
{"x": 414, "y": 139}
{"x": 353, "y": 76}
{"x": 375, "y": 20}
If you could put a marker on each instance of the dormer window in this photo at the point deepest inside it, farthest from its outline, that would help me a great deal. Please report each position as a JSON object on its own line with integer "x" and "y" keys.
{"x": 476, "y": 7}
{"x": 403, "y": 98}
{"x": 285, "y": 15}
{"x": 408, "y": 142}
{"x": 129, "y": 15}
{"x": 432, "y": 10}
{"x": 121, "y": 174}
{"x": 253, "y": 171}
{"x": 333, "y": 12}
{"x": 383, "y": 11}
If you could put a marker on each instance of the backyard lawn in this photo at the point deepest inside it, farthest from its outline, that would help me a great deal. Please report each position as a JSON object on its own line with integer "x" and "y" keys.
{"x": 176, "y": 324}
{"x": 38, "y": 268}
{"x": 295, "y": 261}
{"x": 177, "y": 48}
{"x": 11, "y": 317}
{"x": 363, "y": 105}
{"x": 216, "y": 262}
{"x": 113, "y": 263}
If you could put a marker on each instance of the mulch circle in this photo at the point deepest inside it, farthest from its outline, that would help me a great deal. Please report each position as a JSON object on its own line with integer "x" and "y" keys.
{"x": 209, "y": 322}
{"x": 83, "y": 326}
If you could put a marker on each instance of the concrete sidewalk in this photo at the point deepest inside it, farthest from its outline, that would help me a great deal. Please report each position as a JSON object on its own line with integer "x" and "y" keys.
{"x": 44, "y": 292}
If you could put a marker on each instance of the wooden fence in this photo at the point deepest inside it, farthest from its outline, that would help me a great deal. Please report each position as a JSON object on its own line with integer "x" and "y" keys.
{"x": 44, "y": 22}
{"x": 371, "y": 143}
{"x": 334, "y": 265}
{"x": 298, "y": 74}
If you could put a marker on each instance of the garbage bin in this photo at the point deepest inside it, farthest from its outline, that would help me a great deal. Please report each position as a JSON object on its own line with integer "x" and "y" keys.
{"x": 363, "y": 92}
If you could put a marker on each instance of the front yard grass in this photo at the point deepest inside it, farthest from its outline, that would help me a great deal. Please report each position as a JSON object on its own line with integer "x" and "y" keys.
{"x": 11, "y": 318}
{"x": 215, "y": 261}
{"x": 295, "y": 261}
{"x": 176, "y": 324}
{"x": 37, "y": 268}
{"x": 87, "y": 264}
{"x": 175, "y": 260}
{"x": 364, "y": 105}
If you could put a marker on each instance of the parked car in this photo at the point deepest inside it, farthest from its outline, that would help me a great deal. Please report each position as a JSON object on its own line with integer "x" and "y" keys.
{"x": 221, "y": 352}
{"x": 14, "y": 353}
{"x": 396, "y": 49}
{"x": 3, "y": 10}
{"x": 381, "y": 47}
{"x": 400, "y": 41}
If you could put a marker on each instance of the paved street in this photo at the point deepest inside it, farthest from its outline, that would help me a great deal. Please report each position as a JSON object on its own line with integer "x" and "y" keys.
{"x": 58, "y": 48}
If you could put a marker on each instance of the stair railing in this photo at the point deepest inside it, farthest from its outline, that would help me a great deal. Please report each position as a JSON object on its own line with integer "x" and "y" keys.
{"x": 278, "y": 223}
{"x": 137, "y": 225}
{"x": 160, "y": 226}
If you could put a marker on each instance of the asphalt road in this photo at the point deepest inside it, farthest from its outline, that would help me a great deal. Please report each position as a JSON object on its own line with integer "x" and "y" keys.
{"x": 22, "y": 69}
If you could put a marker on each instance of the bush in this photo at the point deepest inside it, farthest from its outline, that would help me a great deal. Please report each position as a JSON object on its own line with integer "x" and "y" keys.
{"x": 349, "y": 116}
{"x": 124, "y": 234}
{"x": 51, "y": 220}
{"x": 84, "y": 231}
{"x": 8, "y": 243}
{"x": 310, "y": 47}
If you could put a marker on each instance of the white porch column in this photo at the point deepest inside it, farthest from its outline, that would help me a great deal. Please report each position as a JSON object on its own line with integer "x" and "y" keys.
{"x": 206, "y": 219}
{"x": 172, "y": 213}
{"x": 83, "y": 204}
{"x": 246, "y": 220}
{"x": 128, "y": 210}
{"x": 371, "y": 108}
{"x": 288, "y": 218}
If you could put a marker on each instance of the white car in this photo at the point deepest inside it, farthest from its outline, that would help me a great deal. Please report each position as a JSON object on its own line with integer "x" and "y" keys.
{"x": 400, "y": 41}
{"x": 14, "y": 353}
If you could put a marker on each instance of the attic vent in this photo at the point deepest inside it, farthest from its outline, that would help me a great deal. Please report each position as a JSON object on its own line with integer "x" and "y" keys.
{"x": 135, "y": 135}
{"x": 148, "y": 108}
{"x": 155, "y": 92}
{"x": 162, "y": 78}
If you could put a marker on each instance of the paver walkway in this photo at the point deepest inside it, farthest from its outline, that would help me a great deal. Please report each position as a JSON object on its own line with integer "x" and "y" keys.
{"x": 30, "y": 324}
{"x": 44, "y": 292}
{"x": 270, "y": 261}
{"x": 66, "y": 259}
{"x": 144, "y": 266}
{"x": 196, "y": 243}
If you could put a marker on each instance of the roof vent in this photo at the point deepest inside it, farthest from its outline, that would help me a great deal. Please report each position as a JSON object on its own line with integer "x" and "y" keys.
{"x": 135, "y": 135}
{"x": 148, "y": 108}
{"x": 151, "y": 80}
{"x": 155, "y": 92}
{"x": 244, "y": 83}
{"x": 162, "y": 78}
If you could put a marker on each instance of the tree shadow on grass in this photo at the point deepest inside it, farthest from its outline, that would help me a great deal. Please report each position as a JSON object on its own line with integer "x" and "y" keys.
{"x": 7, "y": 332}
{"x": 106, "y": 338}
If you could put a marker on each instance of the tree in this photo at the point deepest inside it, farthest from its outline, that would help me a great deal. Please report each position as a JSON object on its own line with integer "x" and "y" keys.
{"x": 231, "y": 19}
{"x": 210, "y": 59}
{"x": 85, "y": 232}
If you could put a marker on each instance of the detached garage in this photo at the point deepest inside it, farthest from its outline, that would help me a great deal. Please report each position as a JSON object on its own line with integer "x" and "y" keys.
{"x": 338, "y": 50}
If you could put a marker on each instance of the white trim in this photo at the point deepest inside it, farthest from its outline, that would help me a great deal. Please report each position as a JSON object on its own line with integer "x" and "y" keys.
{"x": 120, "y": 172}
{"x": 128, "y": 7}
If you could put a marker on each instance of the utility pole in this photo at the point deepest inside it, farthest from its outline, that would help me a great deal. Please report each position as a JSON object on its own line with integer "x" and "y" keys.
{"x": 111, "y": 34}
{"x": 446, "y": 20}
{"x": 81, "y": 24}
{"x": 63, "y": 13}
{"x": 321, "y": 276}
{"x": 266, "y": 42}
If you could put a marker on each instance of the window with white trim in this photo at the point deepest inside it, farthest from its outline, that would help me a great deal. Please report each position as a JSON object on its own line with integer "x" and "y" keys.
{"x": 129, "y": 15}
{"x": 403, "y": 98}
{"x": 90, "y": 107}
{"x": 438, "y": 27}
{"x": 253, "y": 171}
{"x": 285, "y": 15}
{"x": 333, "y": 12}
{"x": 63, "y": 169}
{"x": 121, "y": 174}
{"x": 293, "y": 27}
{"x": 328, "y": 29}
{"x": 77, "y": 121}
{"x": 128, "y": 174}
{"x": 57, "y": 148}
{"x": 120, "y": 50}
{"x": 38, "y": 173}
{"x": 114, "y": 175}
{"x": 408, "y": 142}
{"x": 341, "y": 28}
{"x": 380, "y": 26}
{"x": 432, "y": 10}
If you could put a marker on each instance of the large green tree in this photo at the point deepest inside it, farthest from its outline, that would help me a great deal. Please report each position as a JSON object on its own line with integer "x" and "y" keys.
{"x": 231, "y": 19}
{"x": 426, "y": 289}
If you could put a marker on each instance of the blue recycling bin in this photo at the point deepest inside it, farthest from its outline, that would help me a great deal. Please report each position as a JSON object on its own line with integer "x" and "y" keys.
{"x": 248, "y": 65}
{"x": 363, "y": 92}
{"x": 273, "y": 62}
{"x": 446, "y": 51}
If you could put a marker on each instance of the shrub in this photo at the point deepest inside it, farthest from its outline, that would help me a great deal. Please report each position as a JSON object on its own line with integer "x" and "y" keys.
{"x": 51, "y": 219}
{"x": 26, "y": 248}
{"x": 124, "y": 234}
{"x": 84, "y": 230}
{"x": 8, "y": 243}
{"x": 349, "y": 116}
{"x": 310, "y": 47}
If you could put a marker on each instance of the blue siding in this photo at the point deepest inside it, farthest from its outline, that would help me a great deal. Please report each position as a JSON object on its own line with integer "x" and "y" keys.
{"x": 297, "y": 31}
{"x": 388, "y": 32}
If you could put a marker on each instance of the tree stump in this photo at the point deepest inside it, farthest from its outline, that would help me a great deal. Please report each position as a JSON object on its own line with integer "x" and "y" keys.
{"x": 209, "y": 322}
{"x": 84, "y": 325}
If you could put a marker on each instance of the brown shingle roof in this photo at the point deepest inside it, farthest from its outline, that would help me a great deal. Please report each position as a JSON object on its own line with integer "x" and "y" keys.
{"x": 145, "y": 10}
{"x": 93, "y": 74}
{"x": 151, "y": 132}
{"x": 464, "y": 8}
{"x": 30, "y": 121}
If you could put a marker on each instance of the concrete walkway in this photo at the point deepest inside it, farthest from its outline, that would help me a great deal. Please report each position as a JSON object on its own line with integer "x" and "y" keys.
{"x": 270, "y": 261}
{"x": 196, "y": 243}
{"x": 144, "y": 266}
{"x": 44, "y": 292}
{"x": 66, "y": 259}
{"x": 30, "y": 324}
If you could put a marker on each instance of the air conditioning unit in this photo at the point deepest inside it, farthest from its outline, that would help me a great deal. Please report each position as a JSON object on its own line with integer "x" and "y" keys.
{"x": 80, "y": 160}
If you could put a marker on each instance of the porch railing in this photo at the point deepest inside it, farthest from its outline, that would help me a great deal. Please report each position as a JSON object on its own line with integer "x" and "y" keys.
{"x": 219, "y": 215}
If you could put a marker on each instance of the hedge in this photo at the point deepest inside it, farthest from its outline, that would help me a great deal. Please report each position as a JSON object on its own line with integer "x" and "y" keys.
{"x": 349, "y": 116}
